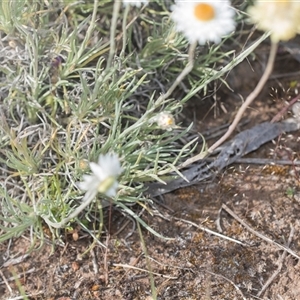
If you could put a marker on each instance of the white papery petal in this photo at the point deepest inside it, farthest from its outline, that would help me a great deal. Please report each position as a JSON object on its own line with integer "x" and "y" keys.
{"x": 199, "y": 31}
{"x": 103, "y": 176}
{"x": 98, "y": 171}
{"x": 136, "y": 3}
{"x": 282, "y": 18}
{"x": 110, "y": 164}
{"x": 112, "y": 191}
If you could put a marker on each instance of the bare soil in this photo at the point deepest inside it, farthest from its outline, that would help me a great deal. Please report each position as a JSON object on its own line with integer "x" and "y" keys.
{"x": 194, "y": 264}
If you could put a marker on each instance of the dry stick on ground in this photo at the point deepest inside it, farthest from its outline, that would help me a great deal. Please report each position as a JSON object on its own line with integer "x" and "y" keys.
{"x": 94, "y": 261}
{"x": 169, "y": 218}
{"x": 143, "y": 270}
{"x": 6, "y": 282}
{"x": 280, "y": 263}
{"x": 15, "y": 260}
{"x": 250, "y": 98}
{"x": 13, "y": 278}
{"x": 228, "y": 210}
{"x": 133, "y": 264}
{"x": 210, "y": 231}
{"x": 29, "y": 295}
{"x": 230, "y": 281}
{"x": 105, "y": 265}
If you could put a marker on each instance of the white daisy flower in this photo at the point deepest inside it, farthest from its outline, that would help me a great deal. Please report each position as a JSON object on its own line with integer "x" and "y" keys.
{"x": 202, "y": 21}
{"x": 104, "y": 176}
{"x": 282, "y": 18}
{"x": 136, "y": 3}
{"x": 164, "y": 120}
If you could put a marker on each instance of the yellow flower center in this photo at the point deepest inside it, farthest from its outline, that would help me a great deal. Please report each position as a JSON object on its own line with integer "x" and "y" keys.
{"x": 204, "y": 12}
{"x": 106, "y": 184}
{"x": 170, "y": 121}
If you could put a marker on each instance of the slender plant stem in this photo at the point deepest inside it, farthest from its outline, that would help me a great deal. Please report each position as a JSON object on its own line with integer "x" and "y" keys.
{"x": 152, "y": 283}
{"x": 89, "y": 30}
{"x": 188, "y": 68}
{"x": 250, "y": 98}
{"x": 112, "y": 48}
{"x": 124, "y": 29}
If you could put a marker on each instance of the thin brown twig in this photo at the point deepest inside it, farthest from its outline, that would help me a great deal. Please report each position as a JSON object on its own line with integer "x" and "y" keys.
{"x": 94, "y": 261}
{"x": 65, "y": 249}
{"x": 285, "y": 109}
{"x": 211, "y": 231}
{"x": 230, "y": 281}
{"x": 133, "y": 264}
{"x": 143, "y": 270}
{"x": 6, "y": 282}
{"x": 280, "y": 264}
{"x": 105, "y": 265}
{"x": 15, "y": 260}
{"x": 29, "y": 295}
{"x": 228, "y": 210}
{"x": 13, "y": 278}
{"x": 249, "y": 99}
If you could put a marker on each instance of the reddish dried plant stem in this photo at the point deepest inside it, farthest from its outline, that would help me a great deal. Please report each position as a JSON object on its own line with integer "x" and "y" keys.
{"x": 285, "y": 109}
{"x": 249, "y": 99}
